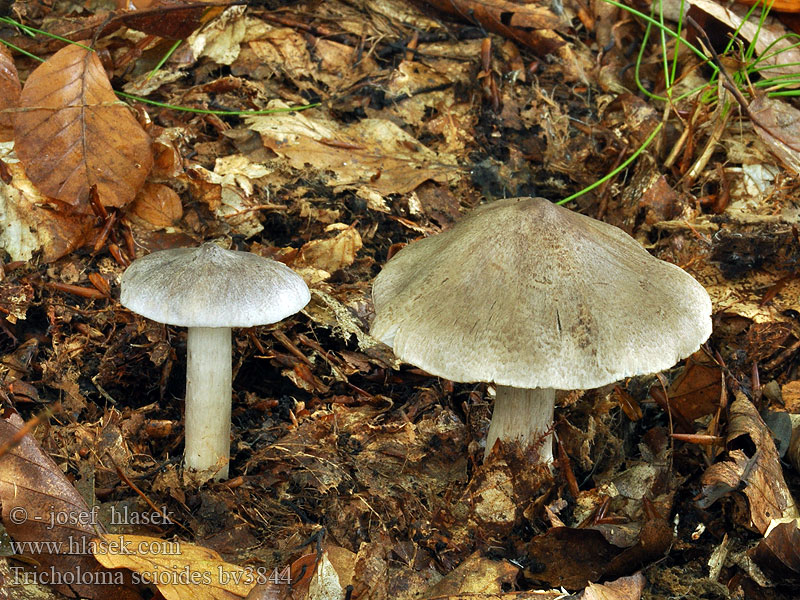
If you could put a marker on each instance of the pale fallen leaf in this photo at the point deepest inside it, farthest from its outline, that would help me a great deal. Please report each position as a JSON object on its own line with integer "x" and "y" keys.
{"x": 475, "y": 575}
{"x": 374, "y": 153}
{"x": 180, "y": 571}
{"x": 220, "y": 39}
{"x": 29, "y": 224}
{"x": 331, "y": 254}
{"x": 333, "y": 574}
{"x": 624, "y": 588}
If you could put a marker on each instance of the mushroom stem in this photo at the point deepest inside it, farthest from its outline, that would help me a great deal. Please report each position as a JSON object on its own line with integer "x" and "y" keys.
{"x": 524, "y": 415}
{"x": 208, "y": 398}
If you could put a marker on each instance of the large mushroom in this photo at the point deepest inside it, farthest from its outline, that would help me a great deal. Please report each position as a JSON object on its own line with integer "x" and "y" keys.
{"x": 210, "y": 290}
{"x": 534, "y": 297}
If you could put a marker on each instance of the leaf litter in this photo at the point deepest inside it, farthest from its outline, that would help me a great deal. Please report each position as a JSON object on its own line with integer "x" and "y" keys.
{"x": 359, "y": 475}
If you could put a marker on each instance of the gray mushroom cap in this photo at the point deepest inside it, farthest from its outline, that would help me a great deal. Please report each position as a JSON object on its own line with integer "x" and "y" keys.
{"x": 528, "y": 294}
{"x": 209, "y": 286}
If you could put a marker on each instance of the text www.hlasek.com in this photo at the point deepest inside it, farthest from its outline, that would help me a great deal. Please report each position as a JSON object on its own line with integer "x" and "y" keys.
{"x": 84, "y": 545}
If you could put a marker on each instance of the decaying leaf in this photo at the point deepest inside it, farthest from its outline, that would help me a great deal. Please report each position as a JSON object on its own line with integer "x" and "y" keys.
{"x": 169, "y": 19}
{"x": 178, "y": 569}
{"x": 157, "y": 206}
{"x": 29, "y": 223}
{"x": 334, "y": 572}
{"x": 219, "y": 39}
{"x": 73, "y": 133}
{"x": 778, "y": 124}
{"x": 778, "y": 554}
{"x": 476, "y": 575}
{"x": 332, "y": 254}
{"x": 372, "y": 153}
{"x": 9, "y": 93}
{"x": 624, "y": 588}
{"x": 752, "y": 468}
{"x": 44, "y": 513}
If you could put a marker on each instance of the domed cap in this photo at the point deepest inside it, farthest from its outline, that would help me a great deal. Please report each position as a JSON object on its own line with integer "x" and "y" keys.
{"x": 525, "y": 293}
{"x": 208, "y": 286}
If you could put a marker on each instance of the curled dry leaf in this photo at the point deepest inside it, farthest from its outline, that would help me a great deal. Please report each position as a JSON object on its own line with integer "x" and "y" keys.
{"x": 157, "y": 206}
{"x": 778, "y": 554}
{"x": 44, "y": 514}
{"x": 332, "y": 254}
{"x": 73, "y": 133}
{"x": 9, "y": 92}
{"x": 752, "y": 463}
{"x": 178, "y": 569}
{"x": 778, "y": 124}
{"x": 624, "y": 588}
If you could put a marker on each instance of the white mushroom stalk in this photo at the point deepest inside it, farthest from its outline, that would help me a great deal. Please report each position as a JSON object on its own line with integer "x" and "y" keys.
{"x": 523, "y": 415}
{"x": 208, "y": 398}
{"x": 210, "y": 290}
{"x": 533, "y": 297}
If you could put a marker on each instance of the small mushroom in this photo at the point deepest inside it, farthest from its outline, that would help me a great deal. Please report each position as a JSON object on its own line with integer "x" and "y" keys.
{"x": 210, "y": 290}
{"x": 534, "y": 297}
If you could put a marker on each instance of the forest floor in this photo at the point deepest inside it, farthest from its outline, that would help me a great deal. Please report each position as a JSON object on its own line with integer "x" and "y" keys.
{"x": 363, "y": 475}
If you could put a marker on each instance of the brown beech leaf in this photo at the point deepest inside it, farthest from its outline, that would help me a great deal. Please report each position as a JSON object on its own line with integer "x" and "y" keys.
{"x": 49, "y": 521}
{"x": 9, "y": 92}
{"x": 73, "y": 133}
{"x": 156, "y": 207}
{"x": 169, "y": 19}
{"x": 778, "y": 124}
{"x": 752, "y": 467}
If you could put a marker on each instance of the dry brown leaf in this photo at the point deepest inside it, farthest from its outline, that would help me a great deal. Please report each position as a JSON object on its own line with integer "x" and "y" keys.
{"x": 74, "y": 134}
{"x": 373, "y": 153}
{"x": 778, "y": 554}
{"x": 778, "y": 124}
{"x": 28, "y": 224}
{"x": 44, "y": 512}
{"x": 220, "y": 38}
{"x": 752, "y": 463}
{"x": 170, "y": 19}
{"x": 157, "y": 207}
{"x": 9, "y": 93}
{"x": 624, "y": 588}
{"x": 332, "y": 254}
{"x": 180, "y": 570}
{"x": 475, "y": 575}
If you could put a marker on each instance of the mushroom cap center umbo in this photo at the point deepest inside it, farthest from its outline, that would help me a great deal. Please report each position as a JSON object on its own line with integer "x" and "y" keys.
{"x": 209, "y": 286}
{"x": 525, "y": 293}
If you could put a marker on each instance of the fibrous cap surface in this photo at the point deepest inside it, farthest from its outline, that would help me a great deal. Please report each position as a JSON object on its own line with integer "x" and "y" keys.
{"x": 525, "y": 293}
{"x": 209, "y": 286}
